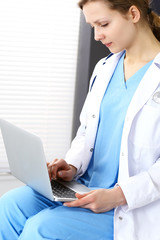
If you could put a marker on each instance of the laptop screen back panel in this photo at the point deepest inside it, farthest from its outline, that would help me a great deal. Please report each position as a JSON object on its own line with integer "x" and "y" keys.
{"x": 26, "y": 158}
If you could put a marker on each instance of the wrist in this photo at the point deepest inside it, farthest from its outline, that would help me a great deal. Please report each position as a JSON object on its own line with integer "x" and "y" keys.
{"x": 120, "y": 197}
{"x": 74, "y": 170}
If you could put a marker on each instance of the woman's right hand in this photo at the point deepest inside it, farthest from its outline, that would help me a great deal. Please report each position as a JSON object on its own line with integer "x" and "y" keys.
{"x": 60, "y": 169}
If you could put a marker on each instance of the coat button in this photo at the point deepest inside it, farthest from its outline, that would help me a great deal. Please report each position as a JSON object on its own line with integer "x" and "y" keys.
{"x": 120, "y": 218}
{"x": 91, "y": 150}
{"x": 93, "y": 116}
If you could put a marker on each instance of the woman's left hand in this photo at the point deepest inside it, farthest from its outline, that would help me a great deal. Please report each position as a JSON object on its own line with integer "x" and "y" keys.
{"x": 100, "y": 200}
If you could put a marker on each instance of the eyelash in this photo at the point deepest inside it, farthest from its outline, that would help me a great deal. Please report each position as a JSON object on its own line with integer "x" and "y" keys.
{"x": 104, "y": 25}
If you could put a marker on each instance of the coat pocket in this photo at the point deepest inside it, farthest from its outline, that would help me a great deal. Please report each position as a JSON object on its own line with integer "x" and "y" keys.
{"x": 145, "y": 130}
{"x": 144, "y": 140}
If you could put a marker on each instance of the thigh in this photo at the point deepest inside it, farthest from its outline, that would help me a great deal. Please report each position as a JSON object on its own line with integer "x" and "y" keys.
{"x": 64, "y": 223}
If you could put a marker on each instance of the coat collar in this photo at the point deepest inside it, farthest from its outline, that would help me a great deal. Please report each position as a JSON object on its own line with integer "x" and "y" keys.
{"x": 101, "y": 79}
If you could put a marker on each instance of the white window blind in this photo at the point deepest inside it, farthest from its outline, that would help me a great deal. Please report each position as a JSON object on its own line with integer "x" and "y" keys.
{"x": 38, "y": 57}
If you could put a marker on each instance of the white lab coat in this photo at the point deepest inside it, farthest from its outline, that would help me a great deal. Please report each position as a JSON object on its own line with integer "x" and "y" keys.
{"x": 139, "y": 163}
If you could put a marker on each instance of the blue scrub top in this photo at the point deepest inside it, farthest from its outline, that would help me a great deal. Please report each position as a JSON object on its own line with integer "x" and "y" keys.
{"x": 103, "y": 168}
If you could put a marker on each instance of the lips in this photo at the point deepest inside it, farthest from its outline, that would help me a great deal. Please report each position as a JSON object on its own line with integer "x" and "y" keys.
{"x": 108, "y": 44}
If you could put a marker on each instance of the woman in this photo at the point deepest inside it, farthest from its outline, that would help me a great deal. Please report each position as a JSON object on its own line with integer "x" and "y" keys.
{"x": 117, "y": 148}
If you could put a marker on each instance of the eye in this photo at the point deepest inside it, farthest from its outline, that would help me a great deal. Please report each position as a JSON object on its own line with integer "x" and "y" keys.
{"x": 104, "y": 25}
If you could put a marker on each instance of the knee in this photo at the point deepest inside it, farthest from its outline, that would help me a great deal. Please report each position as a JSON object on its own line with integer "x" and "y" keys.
{"x": 14, "y": 200}
{"x": 12, "y": 197}
{"x": 9, "y": 215}
{"x": 8, "y": 200}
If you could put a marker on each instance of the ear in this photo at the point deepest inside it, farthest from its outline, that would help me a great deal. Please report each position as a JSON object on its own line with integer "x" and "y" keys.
{"x": 134, "y": 14}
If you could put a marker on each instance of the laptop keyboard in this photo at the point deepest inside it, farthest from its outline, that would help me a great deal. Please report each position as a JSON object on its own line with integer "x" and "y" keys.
{"x": 59, "y": 190}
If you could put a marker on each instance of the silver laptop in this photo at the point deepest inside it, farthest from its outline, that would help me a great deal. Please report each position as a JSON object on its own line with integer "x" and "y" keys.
{"x": 27, "y": 162}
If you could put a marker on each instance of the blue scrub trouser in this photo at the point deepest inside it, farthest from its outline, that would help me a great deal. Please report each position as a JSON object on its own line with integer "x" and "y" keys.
{"x": 27, "y": 215}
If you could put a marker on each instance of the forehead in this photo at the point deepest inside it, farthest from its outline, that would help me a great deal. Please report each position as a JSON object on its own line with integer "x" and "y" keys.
{"x": 93, "y": 11}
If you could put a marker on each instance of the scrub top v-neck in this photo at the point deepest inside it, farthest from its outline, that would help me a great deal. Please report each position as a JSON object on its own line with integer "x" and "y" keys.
{"x": 103, "y": 168}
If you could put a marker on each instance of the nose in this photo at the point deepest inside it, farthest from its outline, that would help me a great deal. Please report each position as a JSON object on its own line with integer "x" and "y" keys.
{"x": 98, "y": 35}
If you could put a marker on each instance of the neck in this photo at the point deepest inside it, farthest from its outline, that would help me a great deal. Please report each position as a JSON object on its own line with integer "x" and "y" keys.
{"x": 144, "y": 48}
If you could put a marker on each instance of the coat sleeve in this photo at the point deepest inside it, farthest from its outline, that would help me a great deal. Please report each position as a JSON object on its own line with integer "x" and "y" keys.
{"x": 143, "y": 188}
{"x": 76, "y": 154}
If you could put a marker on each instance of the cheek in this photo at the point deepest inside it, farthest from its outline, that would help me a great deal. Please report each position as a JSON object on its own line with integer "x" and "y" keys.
{"x": 125, "y": 34}
{"x": 117, "y": 31}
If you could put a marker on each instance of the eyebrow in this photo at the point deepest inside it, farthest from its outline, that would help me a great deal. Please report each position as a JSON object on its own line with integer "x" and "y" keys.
{"x": 98, "y": 21}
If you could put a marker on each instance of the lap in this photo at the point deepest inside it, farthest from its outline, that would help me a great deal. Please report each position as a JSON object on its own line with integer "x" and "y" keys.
{"x": 44, "y": 219}
{"x": 69, "y": 223}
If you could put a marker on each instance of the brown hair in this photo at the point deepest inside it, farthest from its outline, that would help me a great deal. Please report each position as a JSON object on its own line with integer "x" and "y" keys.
{"x": 124, "y": 5}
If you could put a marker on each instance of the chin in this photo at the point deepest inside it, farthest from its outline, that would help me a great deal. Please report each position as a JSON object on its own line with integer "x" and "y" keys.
{"x": 114, "y": 50}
